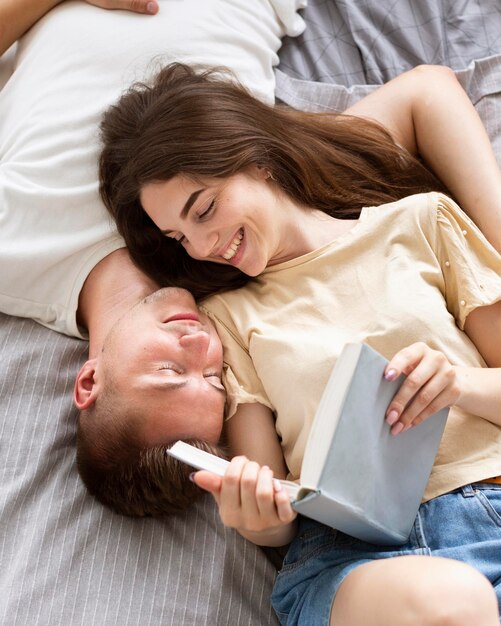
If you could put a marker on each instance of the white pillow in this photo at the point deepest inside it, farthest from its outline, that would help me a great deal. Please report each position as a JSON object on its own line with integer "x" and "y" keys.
{"x": 67, "y": 70}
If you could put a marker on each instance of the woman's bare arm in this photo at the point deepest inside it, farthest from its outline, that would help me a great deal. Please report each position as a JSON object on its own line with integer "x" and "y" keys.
{"x": 251, "y": 433}
{"x": 248, "y": 497}
{"x": 481, "y": 388}
{"x": 427, "y": 111}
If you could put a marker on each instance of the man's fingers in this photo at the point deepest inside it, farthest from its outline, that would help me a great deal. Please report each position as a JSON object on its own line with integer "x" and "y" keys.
{"x": 149, "y": 7}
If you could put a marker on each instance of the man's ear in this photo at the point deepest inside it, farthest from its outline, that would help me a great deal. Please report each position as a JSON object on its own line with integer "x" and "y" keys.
{"x": 86, "y": 391}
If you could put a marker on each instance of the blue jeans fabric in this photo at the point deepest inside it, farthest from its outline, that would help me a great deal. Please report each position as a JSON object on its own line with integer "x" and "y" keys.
{"x": 464, "y": 525}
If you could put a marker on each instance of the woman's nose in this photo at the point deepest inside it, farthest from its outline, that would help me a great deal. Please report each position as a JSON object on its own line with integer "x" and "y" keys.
{"x": 203, "y": 246}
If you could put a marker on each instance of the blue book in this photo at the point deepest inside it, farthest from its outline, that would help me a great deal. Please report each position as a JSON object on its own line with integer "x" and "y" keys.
{"x": 356, "y": 476}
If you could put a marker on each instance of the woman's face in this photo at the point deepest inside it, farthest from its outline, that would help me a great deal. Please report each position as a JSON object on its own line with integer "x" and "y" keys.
{"x": 238, "y": 221}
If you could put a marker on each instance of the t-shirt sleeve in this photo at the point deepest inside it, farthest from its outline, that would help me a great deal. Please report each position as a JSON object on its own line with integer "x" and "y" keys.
{"x": 240, "y": 379}
{"x": 471, "y": 265}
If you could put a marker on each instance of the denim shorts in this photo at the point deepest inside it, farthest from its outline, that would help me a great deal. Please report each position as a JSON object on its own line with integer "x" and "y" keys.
{"x": 464, "y": 524}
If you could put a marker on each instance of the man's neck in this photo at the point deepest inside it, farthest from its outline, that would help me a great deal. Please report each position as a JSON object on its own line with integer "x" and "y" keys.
{"x": 112, "y": 288}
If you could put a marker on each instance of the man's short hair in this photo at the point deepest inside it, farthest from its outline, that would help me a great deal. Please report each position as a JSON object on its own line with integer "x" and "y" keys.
{"x": 124, "y": 474}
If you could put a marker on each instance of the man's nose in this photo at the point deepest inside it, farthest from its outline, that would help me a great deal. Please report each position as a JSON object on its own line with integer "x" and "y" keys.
{"x": 195, "y": 342}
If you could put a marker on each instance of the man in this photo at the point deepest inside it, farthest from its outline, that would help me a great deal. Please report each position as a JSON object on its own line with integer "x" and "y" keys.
{"x": 153, "y": 376}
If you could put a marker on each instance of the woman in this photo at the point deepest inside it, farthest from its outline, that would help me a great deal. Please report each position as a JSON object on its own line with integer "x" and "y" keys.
{"x": 279, "y": 195}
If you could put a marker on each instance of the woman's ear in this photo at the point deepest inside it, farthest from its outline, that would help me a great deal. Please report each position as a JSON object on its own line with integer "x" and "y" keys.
{"x": 262, "y": 173}
{"x": 85, "y": 391}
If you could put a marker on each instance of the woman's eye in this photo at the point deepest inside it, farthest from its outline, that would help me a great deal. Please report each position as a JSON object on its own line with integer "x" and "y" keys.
{"x": 179, "y": 237}
{"x": 206, "y": 212}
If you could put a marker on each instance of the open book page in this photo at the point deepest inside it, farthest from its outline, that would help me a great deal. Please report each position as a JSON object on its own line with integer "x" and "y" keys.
{"x": 200, "y": 459}
{"x": 327, "y": 415}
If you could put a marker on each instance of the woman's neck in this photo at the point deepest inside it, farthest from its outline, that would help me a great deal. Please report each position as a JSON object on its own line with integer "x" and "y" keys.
{"x": 309, "y": 230}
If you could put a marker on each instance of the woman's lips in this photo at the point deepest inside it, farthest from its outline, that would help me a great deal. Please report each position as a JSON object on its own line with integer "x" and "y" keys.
{"x": 232, "y": 249}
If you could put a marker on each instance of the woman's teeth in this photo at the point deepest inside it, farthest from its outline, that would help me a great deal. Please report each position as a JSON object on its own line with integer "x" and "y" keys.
{"x": 235, "y": 244}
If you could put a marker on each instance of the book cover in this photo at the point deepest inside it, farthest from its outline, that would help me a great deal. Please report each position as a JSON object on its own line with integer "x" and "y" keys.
{"x": 356, "y": 476}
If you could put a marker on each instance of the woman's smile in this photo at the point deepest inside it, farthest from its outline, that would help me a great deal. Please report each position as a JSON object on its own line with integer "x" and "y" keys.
{"x": 234, "y": 246}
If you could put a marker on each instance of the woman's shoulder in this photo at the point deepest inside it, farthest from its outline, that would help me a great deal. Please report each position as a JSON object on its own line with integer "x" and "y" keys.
{"x": 419, "y": 203}
{"x": 440, "y": 213}
{"x": 417, "y": 210}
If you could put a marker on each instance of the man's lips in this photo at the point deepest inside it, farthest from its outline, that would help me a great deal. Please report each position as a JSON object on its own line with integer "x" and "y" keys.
{"x": 184, "y": 317}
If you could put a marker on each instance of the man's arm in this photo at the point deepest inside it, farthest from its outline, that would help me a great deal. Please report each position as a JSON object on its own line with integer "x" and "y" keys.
{"x": 17, "y": 16}
{"x": 427, "y": 111}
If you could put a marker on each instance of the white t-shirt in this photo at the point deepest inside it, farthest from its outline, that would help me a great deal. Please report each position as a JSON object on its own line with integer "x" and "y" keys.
{"x": 68, "y": 69}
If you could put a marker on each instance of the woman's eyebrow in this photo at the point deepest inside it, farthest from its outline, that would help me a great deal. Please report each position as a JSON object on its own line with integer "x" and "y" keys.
{"x": 189, "y": 203}
{"x": 186, "y": 209}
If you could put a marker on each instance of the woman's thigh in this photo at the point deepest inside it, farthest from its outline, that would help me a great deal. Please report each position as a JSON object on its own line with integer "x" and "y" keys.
{"x": 415, "y": 591}
{"x": 463, "y": 527}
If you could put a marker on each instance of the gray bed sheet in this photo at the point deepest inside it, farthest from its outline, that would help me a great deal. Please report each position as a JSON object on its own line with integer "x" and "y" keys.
{"x": 350, "y": 47}
{"x": 64, "y": 559}
{"x": 359, "y": 42}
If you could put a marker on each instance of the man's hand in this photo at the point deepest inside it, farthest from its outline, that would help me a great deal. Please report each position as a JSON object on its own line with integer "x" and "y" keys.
{"x": 17, "y": 16}
{"x": 149, "y": 7}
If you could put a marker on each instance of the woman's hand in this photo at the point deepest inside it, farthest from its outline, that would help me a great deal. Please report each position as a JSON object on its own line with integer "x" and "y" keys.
{"x": 137, "y": 6}
{"x": 431, "y": 385}
{"x": 251, "y": 501}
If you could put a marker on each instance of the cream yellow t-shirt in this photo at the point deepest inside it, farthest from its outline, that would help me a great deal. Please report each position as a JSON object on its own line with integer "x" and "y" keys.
{"x": 407, "y": 271}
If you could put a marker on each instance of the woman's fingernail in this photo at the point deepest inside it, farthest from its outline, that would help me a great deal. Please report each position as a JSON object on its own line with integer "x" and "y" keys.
{"x": 392, "y": 417}
{"x": 397, "y": 428}
{"x": 391, "y": 374}
{"x": 277, "y": 485}
{"x": 192, "y": 477}
{"x": 150, "y": 7}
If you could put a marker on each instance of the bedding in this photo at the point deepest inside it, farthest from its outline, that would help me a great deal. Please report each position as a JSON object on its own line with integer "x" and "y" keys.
{"x": 349, "y": 47}
{"x": 359, "y": 42}
{"x": 65, "y": 560}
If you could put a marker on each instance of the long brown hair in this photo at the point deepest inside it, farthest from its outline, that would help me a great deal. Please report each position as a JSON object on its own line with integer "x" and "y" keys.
{"x": 202, "y": 124}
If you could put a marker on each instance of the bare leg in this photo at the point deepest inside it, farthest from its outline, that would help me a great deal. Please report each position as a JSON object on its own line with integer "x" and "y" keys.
{"x": 415, "y": 591}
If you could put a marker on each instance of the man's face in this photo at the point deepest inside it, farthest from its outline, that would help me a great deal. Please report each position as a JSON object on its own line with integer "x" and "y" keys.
{"x": 165, "y": 359}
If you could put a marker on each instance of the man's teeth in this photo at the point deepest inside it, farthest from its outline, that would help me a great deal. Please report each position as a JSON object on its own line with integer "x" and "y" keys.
{"x": 232, "y": 250}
